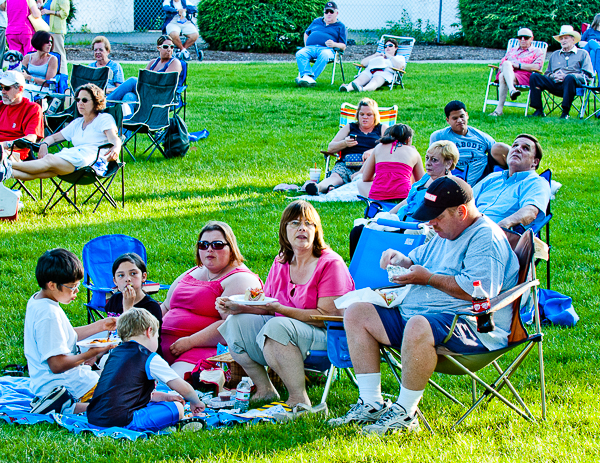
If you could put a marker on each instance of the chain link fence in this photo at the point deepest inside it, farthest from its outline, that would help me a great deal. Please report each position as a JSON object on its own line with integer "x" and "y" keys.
{"x": 426, "y": 20}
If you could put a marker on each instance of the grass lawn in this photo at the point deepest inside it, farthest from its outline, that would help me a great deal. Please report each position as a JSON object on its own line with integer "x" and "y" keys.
{"x": 265, "y": 131}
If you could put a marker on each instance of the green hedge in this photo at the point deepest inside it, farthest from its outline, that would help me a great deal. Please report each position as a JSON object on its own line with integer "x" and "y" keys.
{"x": 256, "y": 25}
{"x": 491, "y": 23}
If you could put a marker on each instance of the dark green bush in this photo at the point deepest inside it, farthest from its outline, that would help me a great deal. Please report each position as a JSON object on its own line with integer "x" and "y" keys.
{"x": 256, "y": 25}
{"x": 491, "y": 23}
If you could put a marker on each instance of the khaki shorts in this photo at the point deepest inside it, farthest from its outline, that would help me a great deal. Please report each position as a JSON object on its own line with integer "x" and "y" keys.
{"x": 246, "y": 333}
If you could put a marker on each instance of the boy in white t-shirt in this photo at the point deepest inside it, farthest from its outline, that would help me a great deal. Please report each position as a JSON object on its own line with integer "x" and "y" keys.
{"x": 60, "y": 377}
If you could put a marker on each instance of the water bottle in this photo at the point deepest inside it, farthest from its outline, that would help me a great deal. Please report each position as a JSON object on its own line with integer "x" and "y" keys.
{"x": 380, "y": 46}
{"x": 481, "y": 302}
{"x": 53, "y": 108}
{"x": 242, "y": 395}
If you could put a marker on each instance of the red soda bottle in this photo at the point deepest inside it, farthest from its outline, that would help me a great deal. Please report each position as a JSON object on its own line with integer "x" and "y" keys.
{"x": 481, "y": 302}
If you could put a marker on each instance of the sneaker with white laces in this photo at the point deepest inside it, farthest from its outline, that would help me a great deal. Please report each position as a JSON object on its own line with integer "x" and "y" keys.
{"x": 5, "y": 166}
{"x": 57, "y": 400}
{"x": 395, "y": 419}
{"x": 186, "y": 55}
{"x": 306, "y": 81}
{"x": 361, "y": 413}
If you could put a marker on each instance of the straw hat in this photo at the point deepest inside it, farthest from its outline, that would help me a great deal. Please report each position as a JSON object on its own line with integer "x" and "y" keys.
{"x": 568, "y": 30}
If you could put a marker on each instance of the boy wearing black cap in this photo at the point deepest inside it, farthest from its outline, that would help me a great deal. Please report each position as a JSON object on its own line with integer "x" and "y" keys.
{"x": 468, "y": 247}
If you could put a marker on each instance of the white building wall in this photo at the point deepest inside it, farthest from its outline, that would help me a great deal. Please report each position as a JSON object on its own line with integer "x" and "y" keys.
{"x": 373, "y": 14}
{"x": 103, "y": 15}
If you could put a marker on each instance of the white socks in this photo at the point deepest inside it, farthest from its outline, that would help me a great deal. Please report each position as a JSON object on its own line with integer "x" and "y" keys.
{"x": 369, "y": 388}
{"x": 409, "y": 400}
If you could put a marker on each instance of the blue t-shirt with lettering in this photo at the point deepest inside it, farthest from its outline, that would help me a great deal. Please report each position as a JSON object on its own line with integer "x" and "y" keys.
{"x": 473, "y": 148}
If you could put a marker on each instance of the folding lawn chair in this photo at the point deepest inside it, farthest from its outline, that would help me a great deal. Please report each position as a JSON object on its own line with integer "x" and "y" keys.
{"x": 405, "y": 48}
{"x": 387, "y": 116}
{"x": 512, "y": 43}
{"x": 592, "y": 91}
{"x": 468, "y": 364}
{"x": 156, "y": 96}
{"x": 181, "y": 92}
{"x": 97, "y": 257}
{"x": 88, "y": 176}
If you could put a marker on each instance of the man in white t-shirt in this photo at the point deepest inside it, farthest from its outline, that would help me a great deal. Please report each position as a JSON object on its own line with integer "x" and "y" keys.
{"x": 61, "y": 378}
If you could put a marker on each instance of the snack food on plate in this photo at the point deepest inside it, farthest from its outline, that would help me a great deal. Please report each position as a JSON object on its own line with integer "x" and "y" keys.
{"x": 395, "y": 271}
{"x": 254, "y": 294}
{"x": 387, "y": 297}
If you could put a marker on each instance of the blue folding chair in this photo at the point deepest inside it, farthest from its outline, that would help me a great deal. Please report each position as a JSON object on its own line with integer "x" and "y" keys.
{"x": 98, "y": 257}
{"x": 373, "y": 206}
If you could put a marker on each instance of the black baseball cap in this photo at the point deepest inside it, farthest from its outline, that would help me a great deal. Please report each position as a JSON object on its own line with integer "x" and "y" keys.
{"x": 330, "y": 5}
{"x": 443, "y": 193}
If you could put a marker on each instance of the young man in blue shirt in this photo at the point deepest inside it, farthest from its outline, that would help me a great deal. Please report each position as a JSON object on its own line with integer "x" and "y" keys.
{"x": 320, "y": 38}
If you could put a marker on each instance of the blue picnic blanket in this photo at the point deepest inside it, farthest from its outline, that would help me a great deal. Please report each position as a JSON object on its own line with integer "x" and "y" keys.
{"x": 15, "y": 397}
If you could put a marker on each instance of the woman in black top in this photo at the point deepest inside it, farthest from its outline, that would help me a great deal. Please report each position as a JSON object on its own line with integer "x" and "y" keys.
{"x": 354, "y": 142}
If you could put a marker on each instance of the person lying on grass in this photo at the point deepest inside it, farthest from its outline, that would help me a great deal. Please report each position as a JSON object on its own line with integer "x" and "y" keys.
{"x": 126, "y": 394}
{"x": 61, "y": 378}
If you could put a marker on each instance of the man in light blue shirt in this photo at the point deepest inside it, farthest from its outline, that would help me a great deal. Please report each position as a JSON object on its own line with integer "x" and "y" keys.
{"x": 320, "y": 38}
{"x": 479, "y": 152}
{"x": 517, "y": 195}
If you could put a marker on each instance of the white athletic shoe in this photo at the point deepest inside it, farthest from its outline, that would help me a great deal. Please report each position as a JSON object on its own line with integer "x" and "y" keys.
{"x": 361, "y": 413}
{"x": 395, "y": 419}
{"x": 306, "y": 81}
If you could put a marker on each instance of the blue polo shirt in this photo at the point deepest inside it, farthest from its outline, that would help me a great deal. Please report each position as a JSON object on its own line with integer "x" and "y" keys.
{"x": 499, "y": 195}
{"x": 473, "y": 148}
{"x": 319, "y": 32}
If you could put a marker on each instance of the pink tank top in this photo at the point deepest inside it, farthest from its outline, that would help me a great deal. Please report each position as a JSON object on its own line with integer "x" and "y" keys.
{"x": 392, "y": 181}
{"x": 193, "y": 304}
{"x": 17, "y": 12}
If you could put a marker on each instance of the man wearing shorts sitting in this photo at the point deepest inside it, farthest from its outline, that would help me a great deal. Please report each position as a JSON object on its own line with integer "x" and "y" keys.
{"x": 468, "y": 247}
{"x": 178, "y": 22}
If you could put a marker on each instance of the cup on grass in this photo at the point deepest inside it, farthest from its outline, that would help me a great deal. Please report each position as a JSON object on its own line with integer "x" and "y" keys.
{"x": 315, "y": 175}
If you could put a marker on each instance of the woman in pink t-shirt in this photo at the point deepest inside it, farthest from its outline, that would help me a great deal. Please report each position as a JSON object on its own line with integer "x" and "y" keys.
{"x": 190, "y": 321}
{"x": 19, "y": 30}
{"x": 305, "y": 278}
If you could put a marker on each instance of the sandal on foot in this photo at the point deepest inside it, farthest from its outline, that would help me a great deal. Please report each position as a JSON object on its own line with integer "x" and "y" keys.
{"x": 495, "y": 114}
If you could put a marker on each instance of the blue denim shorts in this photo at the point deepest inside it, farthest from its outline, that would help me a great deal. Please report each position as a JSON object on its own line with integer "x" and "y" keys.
{"x": 464, "y": 340}
{"x": 154, "y": 417}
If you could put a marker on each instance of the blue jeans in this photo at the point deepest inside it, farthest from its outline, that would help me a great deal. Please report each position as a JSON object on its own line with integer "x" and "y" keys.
{"x": 125, "y": 92}
{"x": 321, "y": 55}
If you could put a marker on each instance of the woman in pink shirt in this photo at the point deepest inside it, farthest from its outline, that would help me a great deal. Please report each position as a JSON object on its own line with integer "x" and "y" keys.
{"x": 19, "y": 30}
{"x": 306, "y": 277}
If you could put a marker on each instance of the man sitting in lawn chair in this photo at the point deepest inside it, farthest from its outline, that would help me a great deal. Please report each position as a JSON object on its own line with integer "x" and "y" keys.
{"x": 517, "y": 195}
{"x": 468, "y": 247}
{"x": 479, "y": 152}
{"x": 320, "y": 38}
{"x": 19, "y": 117}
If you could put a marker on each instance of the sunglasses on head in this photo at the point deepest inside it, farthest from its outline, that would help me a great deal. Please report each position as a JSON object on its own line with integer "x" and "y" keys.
{"x": 166, "y": 47}
{"x": 83, "y": 100}
{"x": 329, "y": 11}
{"x": 523, "y": 37}
{"x": 216, "y": 245}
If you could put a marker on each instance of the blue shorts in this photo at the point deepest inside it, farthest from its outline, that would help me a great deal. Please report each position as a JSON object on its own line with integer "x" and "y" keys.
{"x": 154, "y": 417}
{"x": 463, "y": 341}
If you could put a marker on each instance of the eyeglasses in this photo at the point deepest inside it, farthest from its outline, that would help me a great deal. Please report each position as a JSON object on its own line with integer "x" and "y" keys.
{"x": 83, "y": 100}
{"x": 389, "y": 45}
{"x": 216, "y": 245}
{"x": 329, "y": 11}
{"x": 73, "y": 289}
{"x": 523, "y": 37}
{"x": 167, "y": 47}
{"x": 296, "y": 224}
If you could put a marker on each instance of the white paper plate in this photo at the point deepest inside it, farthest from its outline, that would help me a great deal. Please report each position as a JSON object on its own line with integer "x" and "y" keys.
{"x": 89, "y": 343}
{"x": 239, "y": 299}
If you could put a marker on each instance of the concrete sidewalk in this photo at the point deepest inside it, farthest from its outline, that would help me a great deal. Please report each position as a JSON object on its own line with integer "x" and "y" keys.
{"x": 129, "y": 38}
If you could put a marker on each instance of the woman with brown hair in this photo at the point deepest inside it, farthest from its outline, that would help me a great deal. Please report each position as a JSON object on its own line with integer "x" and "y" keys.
{"x": 305, "y": 279}
{"x": 87, "y": 133}
{"x": 190, "y": 321}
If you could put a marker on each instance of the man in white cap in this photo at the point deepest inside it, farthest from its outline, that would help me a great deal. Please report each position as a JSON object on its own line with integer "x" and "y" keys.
{"x": 19, "y": 117}
{"x": 568, "y": 68}
{"x": 516, "y": 67}
{"x": 320, "y": 38}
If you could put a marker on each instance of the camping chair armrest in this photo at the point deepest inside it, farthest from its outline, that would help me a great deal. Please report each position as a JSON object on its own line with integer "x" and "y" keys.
{"x": 496, "y": 303}
{"x": 493, "y": 66}
{"x": 97, "y": 288}
{"x": 338, "y": 50}
{"x": 330, "y": 153}
{"x": 401, "y": 71}
{"x": 24, "y": 143}
{"x": 328, "y": 318}
{"x": 160, "y": 106}
{"x": 358, "y": 65}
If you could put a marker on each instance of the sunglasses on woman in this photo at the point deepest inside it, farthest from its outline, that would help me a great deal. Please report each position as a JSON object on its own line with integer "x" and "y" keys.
{"x": 389, "y": 45}
{"x": 83, "y": 100}
{"x": 167, "y": 47}
{"x": 216, "y": 245}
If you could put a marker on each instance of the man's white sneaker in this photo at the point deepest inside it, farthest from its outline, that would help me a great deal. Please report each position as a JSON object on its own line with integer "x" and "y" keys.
{"x": 395, "y": 419}
{"x": 360, "y": 413}
{"x": 306, "y": 81}
{"x": 186, "y": 55}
